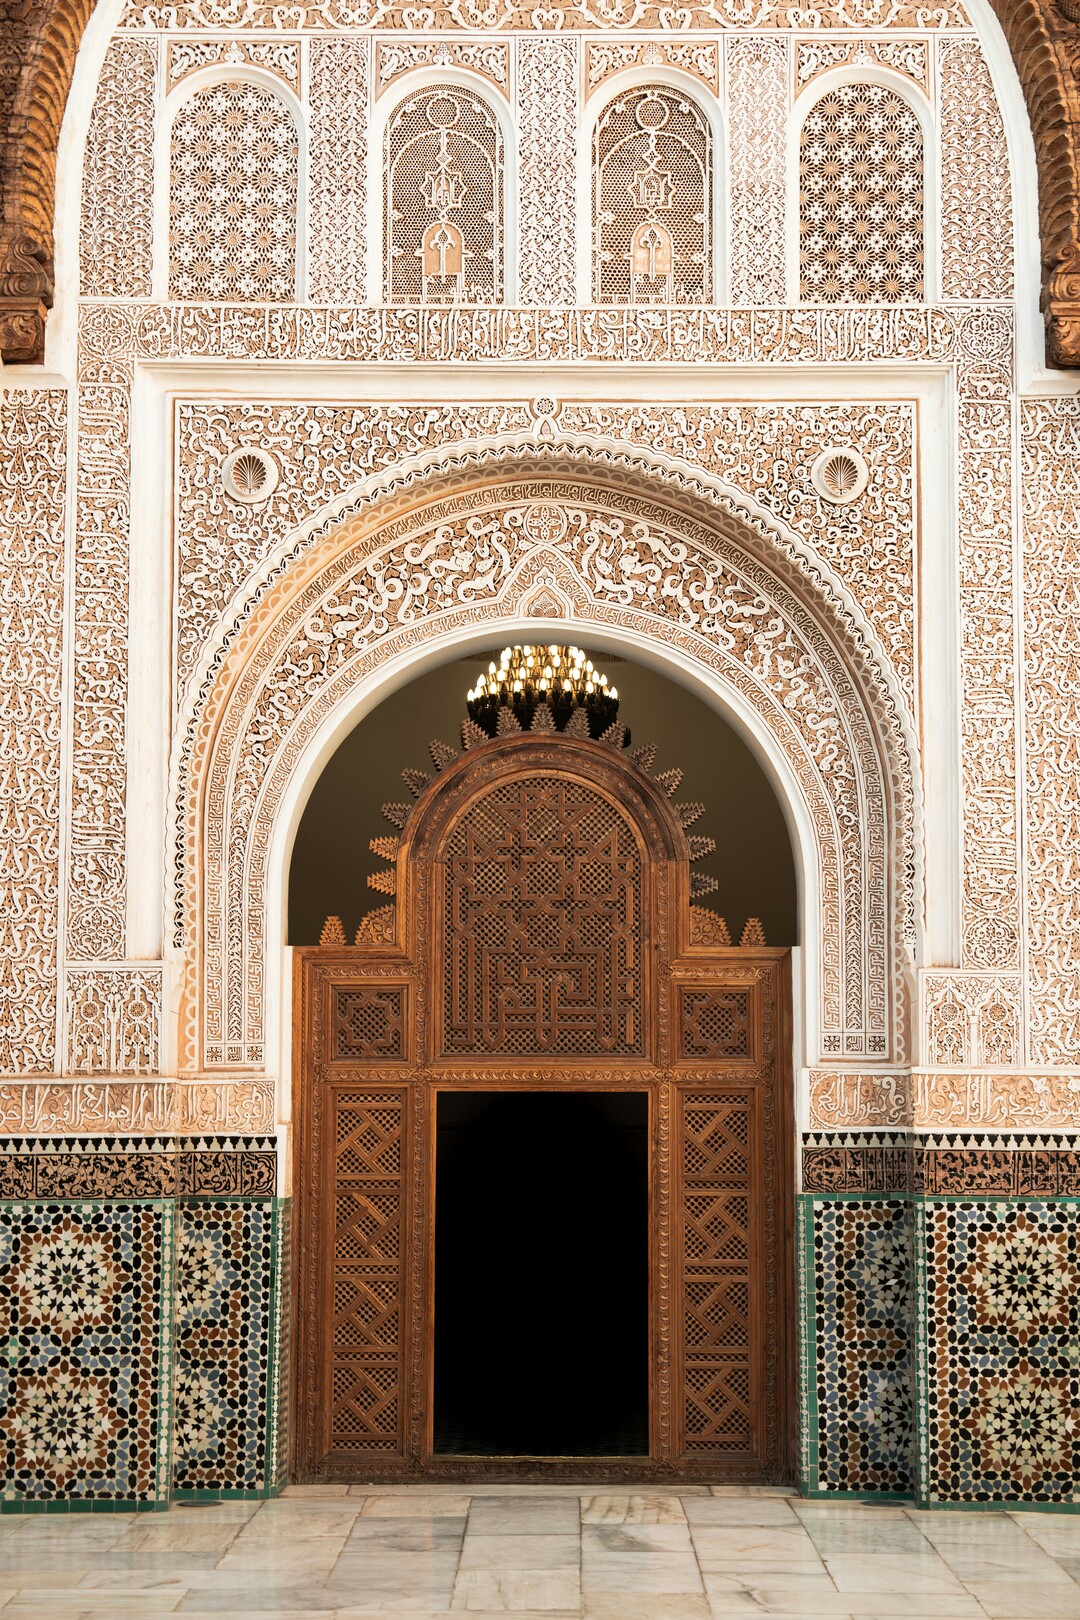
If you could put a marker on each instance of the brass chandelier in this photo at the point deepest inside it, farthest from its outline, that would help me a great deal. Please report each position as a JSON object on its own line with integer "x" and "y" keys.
{"x": 563, "y": 679}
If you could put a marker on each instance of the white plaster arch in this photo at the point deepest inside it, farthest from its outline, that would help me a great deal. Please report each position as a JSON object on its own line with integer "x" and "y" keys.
{"x": 167, "y": 109}
{"x": 871, "y": 782}
{"x": 375, "y": 688}
{"x": 410, "y": 83}
{"x": 913, "y": 98}
{"x": 710, "y": 108}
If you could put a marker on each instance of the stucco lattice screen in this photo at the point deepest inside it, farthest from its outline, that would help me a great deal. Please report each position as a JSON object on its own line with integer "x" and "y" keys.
{"x": 652, "y": 200}
{"x": 861, "y": 233}
{"x": 232, "y": 196}
{"x": 443, "y": 208}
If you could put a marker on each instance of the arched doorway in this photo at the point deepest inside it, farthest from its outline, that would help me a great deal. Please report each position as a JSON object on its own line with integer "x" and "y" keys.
{"x": 542, "y": 1015}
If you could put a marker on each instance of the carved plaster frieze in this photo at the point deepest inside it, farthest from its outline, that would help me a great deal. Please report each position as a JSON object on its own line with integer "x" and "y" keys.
{"x": 620, "y": 562}
{"x": 33, "y": 480}
{"x": 118, "y": 332}
{"x": 971, "y": 1020}
{"x": 767, "y": 451}
{"x": 110, "y": 1107}
{"x": 531, "y": 17}
{"x": 925, "y": 1099}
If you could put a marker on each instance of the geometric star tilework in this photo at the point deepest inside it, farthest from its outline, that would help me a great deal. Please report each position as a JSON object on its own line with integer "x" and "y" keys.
{"x": 862, "y": 1378}
{"x": 223, "y": 1328}
{"x": 84, "y": 1292}
{"x": 1001, "y": 1382}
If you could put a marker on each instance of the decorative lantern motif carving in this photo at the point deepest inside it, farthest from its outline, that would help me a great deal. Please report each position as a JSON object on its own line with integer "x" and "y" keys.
{"x": 652, "y": 200}
{"x": 443, "y": 200}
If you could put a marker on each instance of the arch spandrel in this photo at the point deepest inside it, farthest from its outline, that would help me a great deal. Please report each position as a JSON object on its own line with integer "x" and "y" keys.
{"x": 780, "y": 648}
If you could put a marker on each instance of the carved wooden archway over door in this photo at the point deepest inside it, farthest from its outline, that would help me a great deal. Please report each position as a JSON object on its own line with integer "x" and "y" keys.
{"x": 543, "y": 940}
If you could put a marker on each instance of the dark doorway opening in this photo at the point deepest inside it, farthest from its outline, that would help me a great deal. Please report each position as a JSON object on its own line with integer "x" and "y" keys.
{"x": 542, "y": 1274}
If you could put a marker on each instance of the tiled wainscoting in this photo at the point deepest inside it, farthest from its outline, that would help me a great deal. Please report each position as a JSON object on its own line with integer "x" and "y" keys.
{"x": 940, "y": 1281}
{"x": 141, "y": 1283}
{"x": 144, "y": 1290}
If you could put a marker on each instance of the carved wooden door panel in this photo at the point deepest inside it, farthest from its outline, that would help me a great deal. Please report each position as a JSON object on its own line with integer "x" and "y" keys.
{"x": 542, "y": 939}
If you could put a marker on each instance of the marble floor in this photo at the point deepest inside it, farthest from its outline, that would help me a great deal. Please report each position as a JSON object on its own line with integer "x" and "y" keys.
{"x": 541, "y": 1553}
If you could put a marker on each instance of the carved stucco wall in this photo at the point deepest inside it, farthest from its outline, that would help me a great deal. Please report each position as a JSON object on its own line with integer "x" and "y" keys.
{"x": 765, "y": 77}
{"x": 652, "y": 475}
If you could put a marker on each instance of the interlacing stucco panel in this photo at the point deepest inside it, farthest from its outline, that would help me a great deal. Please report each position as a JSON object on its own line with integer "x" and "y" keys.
{"x": 751, "y": 404}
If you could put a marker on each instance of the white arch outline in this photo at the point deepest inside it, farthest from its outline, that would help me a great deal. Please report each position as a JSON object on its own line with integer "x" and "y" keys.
{"x": 411, "y": 82}
{"x": 169, "y": 107}
{"x": 804, "y": 104}
{"x": 593, "y": 109}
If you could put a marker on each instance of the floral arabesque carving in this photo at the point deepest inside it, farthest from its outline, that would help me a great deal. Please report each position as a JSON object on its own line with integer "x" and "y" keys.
{"x": 337, "y": 168}
{"x": 322, "y": 450}
{"x": 1050, "y": 452}
{"x": 547, "y": 90}
{"x": 976, "y": 210}
{"x": 33, "y": 475}
{"x": 971, "y": 1020}
{"x": 113, "y": 1020}
{"x": 757, "y": 108}
{"x": 116, "y": 223}
{"x": 459, "y": 569}
{"x": 97, "y": 853}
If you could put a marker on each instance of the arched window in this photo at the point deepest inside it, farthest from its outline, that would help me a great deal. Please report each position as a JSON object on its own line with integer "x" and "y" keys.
{"x": 652, "y": 200}
{"x": 443, "y": 211}
{"x": 234, "y": 161}
{"x": 861, "y": 234}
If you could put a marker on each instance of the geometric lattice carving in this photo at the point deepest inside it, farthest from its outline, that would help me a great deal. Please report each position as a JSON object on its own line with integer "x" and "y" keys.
{"x": 652, "y": 200}
{"x": 715, "y": 1281}
{"x": 861, "y": 198}
{"x": 232, "y": 196}
{"x": 443, "y": 203}
{"x": 369, "y": 1022}
{"x": 543, "y": 944}
{"x": 715, "y": 1024}
{"x": 365, "y": 1338}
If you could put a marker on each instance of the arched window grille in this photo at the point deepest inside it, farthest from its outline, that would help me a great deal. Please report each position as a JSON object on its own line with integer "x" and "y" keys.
{"x": 861, "y": 206}
{"x": 652, "y": 200}
{"x": 233, "y": 174}
{"x": 443, "y": 208}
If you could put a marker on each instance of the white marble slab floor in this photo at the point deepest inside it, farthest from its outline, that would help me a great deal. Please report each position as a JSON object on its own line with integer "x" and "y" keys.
{"x": 541, "y": 1552}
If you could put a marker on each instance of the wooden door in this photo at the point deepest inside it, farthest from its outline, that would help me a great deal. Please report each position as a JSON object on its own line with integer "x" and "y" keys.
{"x": 543, "y": 938}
